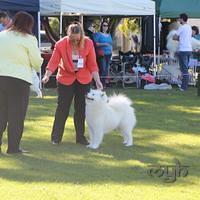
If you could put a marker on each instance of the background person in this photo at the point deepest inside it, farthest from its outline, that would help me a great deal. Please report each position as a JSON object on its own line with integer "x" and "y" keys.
{"x": 103, "y": 42}
{"x": 184, "y": 36}
{"x": 90, "y": 31}
{"x": 5, "y": 20}
{"x": 1, "y": 27}
{"x": 74, "y": 56}
{"x": 195, "y": 32}
{"x": 18, "y": 54}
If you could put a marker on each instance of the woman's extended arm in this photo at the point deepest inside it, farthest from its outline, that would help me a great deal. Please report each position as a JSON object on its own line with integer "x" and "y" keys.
{"x": 97, "y": 80}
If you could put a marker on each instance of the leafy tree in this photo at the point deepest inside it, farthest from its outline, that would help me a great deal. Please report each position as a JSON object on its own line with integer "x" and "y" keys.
{"x": 54, "y": 24}
{"x": 128, "y": 26}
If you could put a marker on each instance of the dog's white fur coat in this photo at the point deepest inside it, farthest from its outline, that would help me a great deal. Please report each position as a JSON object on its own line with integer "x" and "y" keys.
{"x": 105, "y": 114}
{"x": 35, "y": 87}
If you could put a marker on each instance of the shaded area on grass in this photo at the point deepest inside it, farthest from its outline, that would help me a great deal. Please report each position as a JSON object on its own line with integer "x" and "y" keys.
{"x": 161, "y": 115}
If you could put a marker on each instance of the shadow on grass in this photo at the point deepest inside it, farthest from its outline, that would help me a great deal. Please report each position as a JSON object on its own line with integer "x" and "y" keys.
{"x": 70, "y": 163}
{"x": 161, "y": 110}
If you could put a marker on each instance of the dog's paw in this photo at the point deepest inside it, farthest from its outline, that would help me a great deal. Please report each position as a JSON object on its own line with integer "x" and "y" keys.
{"x": 88, "y": 146}
{"x": 128, "y": 144}
{"x": 39, "y": 95}
{"x": 92, "y": 146}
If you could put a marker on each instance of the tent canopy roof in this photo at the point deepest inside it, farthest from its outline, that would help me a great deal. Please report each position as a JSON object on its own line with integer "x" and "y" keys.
{"x": 15, "y": 5}
{"x": 172, "y": 8}
{"x": 101, "y": 7}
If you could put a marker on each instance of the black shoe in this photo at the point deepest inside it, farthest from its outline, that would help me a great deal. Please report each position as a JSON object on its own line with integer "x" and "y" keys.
{"x": 18, "y": 151}
{"x": 82, "y": 141}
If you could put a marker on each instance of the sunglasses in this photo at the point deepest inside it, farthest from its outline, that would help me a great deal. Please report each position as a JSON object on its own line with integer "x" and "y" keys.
{"x": 105, "y": 25}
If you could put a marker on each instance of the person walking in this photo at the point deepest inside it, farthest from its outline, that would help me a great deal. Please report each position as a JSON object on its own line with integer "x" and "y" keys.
{"x": 184, "y": 36}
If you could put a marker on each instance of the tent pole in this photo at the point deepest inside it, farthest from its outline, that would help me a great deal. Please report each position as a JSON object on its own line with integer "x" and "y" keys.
{"x": 39, "y": 45}
{"x": 159, "y": 25}
{"x": 154, "y": 44}
{"x": 61, "y": 24}
{"x": 39, "y": 36}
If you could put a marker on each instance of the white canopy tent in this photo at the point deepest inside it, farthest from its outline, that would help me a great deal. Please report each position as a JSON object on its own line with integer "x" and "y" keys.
{"x": 99, "y": 8}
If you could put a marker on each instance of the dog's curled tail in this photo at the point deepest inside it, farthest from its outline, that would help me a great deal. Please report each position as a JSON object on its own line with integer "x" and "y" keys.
{"x": 119, "y": 99}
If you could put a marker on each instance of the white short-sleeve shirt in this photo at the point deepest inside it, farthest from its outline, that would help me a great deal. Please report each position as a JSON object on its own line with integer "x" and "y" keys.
{"x": 185, "y": 35}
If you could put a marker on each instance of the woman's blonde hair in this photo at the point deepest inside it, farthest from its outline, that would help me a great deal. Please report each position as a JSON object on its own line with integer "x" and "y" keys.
{"x": 76, "y": 28}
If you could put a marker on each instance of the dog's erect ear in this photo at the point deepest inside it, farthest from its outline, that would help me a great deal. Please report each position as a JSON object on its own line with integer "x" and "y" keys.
{"x": 91, "y": 90}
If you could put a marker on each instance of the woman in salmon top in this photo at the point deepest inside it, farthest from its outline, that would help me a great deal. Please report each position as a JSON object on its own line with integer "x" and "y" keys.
{"x": 75, "y": 58}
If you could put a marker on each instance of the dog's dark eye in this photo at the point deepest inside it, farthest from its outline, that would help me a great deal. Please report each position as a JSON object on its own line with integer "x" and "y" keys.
{"x": 102, "y": 95}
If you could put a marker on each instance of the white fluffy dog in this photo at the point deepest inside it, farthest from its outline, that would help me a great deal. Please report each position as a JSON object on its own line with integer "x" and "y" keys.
{"x": 105, "y": 114}
{"x": 172, "y": 45}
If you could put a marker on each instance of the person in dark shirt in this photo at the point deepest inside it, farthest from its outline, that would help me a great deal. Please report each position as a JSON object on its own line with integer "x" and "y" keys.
{"x": 90, "y": 31}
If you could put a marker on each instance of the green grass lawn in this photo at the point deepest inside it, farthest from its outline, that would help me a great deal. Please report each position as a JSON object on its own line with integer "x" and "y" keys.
{"x": 168, "y": 127}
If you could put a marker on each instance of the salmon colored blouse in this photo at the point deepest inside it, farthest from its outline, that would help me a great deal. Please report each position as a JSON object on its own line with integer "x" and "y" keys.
{"x": 62, "y": 59}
